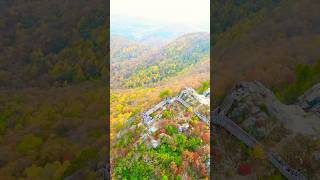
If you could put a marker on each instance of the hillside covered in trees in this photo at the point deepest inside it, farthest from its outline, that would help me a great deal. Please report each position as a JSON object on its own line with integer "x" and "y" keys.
{"x": 53, "y": 57}
{"x": 35, "y": 51}
{"x": 266, "y": 45}
{"x": 134, "y": 65}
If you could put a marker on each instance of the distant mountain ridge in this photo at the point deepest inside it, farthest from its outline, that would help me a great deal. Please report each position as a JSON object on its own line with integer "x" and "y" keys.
{"x": 154, "y": 65}
{"x": 154, "y": 34}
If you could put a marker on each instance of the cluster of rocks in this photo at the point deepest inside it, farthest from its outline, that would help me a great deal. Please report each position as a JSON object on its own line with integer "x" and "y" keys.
{"x": 186, "y": 95}
{"x": 250, "y": 109}
{"x": 258, "y": 110}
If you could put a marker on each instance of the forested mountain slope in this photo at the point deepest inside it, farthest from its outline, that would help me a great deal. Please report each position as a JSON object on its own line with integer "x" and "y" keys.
{"x": 227, "y": 13}
{"x": 155, "y": 66}
{"x": 268, "y": 46}
{"x": 35, "y": 51}
{"x": 53, "y": 57}
{"x": 124, "y": 49}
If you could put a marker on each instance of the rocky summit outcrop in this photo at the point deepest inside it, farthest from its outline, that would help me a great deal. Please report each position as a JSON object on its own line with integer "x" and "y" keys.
{"x": 173, "y": 136}
{"x": 259, "y": 111}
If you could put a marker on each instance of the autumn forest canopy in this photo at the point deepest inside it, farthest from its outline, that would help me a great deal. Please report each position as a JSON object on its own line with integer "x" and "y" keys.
{"x": 53, "y": 65}
{"x": 46, "y": 43}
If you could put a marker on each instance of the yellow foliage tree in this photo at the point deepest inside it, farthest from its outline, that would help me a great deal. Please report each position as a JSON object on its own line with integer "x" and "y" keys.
{"x": 258, "y": 152}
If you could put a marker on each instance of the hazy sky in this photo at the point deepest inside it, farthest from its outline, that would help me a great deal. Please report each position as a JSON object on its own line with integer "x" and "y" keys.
{"x": 191, "y": 12}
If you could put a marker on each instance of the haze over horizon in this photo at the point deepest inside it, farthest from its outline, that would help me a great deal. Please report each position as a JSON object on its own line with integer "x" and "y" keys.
{"x": 193, "y": 14}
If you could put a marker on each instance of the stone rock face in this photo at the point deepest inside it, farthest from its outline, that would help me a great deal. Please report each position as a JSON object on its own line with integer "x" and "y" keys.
{"x": 154, "y": 143}
{"x": 310, "y": 100}
{"x": 259, "y": 111}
